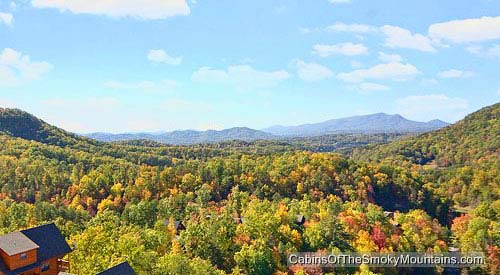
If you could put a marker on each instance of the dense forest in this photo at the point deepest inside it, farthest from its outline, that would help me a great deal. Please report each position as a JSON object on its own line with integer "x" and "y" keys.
{"x": 239, "y": 201}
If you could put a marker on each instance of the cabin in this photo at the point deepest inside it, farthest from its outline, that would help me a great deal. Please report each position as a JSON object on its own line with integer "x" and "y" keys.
{"x": 389, "y": 214}
{"x": 300, "y": 220}
{"x": 178, "y": 225}
{"x": 34, "y": 251}
{"x": 119, "y": 269}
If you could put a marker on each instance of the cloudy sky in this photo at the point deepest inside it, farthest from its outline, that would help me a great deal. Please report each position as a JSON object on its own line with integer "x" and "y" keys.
{"x": 123, "y": 65}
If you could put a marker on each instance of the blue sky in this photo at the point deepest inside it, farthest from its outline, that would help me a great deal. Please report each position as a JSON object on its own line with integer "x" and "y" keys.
{"x": 118, "y": 66}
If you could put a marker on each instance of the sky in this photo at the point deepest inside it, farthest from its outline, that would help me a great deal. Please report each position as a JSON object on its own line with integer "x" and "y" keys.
{"x": 161, "y": 65}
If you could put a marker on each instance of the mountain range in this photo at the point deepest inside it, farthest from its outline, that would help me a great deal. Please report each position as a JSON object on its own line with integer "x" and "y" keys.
{"x": 18, "y": 124}
{"x": 189, "y": 136}
{"x": 24, "y": 125}
{"x": 366, "y": 124}
{"x": 375, "y": 123}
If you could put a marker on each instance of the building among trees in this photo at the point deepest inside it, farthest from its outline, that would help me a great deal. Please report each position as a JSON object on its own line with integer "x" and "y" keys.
{"x": 37, "y": 250}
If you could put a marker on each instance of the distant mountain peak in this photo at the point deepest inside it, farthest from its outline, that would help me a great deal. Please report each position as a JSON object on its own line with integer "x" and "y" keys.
{"x": 437, "y": 121}
{"x": 373, "y": 123}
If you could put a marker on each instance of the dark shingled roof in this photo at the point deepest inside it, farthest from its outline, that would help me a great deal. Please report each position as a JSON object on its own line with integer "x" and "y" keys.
{"x": 120, "y": 269}
{"x": 51, "y": 242}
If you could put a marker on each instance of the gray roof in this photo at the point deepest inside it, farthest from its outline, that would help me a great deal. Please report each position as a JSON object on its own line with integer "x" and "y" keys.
{"x": 15, "y": 243}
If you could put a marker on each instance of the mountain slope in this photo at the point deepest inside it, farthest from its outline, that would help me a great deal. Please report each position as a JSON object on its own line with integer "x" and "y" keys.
{"x": 472, "y": 139}
{"x": 190, "y": 136}
{"x": 375, "y": 123}
{"x": 20, "y": 124}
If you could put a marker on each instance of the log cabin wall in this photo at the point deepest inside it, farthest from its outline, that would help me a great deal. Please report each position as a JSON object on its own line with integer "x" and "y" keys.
{"x": 16, "y": 261}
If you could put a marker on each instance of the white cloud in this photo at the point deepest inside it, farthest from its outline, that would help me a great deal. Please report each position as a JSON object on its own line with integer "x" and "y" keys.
{"x": 397, "y": 37}
{"x": 16, "y": 68}
{"x": 146, "y": 10}
{"x": 145, "y": 86}
{"x": 160, "y": 56}
{"x": 392, "y": 71}
{"x": 339, "y": 1}
{"x": 312, "y": 71}
{"x": 431, "y": 106}
{"x": 348, "y": 49}
{"x": 6, "y": 18}
{"x": 242, "y": 77}
{"x": 384, "y": 57}
{"x": 7, "y": 77}
{"x": 453, "y": 73}
{"x": 468, "y": 30}
{"x": 370, "y": 87}
{"x": 353, "y": 28}
{"x": 493, "y": 51}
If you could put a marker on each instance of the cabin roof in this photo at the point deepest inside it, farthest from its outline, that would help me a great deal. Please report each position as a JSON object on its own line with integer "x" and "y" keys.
{"x": 177, "y": 224}
{"x": 119, "y": 269}
{"x": 50, "y": 242}
{"x": 16, "y": 243}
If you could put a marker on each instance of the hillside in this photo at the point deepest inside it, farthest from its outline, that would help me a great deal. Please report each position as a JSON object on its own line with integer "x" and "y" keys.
{"x": 18, "y": 123}
{"x": 469, "y": 140}
{"x": 375, "y": 123}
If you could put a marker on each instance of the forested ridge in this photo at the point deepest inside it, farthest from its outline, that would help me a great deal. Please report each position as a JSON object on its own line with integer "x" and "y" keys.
{"x": 471, "y": 140}
{"x": 239, "y": 201}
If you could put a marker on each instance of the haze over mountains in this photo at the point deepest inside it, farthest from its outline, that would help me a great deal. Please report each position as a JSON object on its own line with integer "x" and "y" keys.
{"x": 366, "y": 124}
